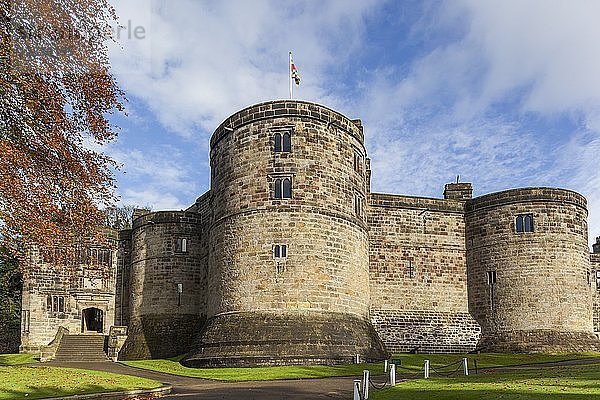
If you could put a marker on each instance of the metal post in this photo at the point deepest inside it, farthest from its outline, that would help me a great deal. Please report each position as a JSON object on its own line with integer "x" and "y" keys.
{"x": 357, "y": 359}
{"x": 356, "y": 384}
{"x": 392, "y": 374}
{"x": 426, "y": 367}
{"x": 385, "y": 365}
{"x": 466, "y": 366}
{"x": 365, "y": 384}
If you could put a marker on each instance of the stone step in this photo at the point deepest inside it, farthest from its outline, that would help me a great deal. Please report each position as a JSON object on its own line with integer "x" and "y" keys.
{"x": 81, "y": 348}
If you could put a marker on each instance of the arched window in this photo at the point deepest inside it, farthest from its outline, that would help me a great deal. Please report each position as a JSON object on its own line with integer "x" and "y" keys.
{"x": 287, "y": 142}
{"x": 283, "y": 188}
{"x": 278, "y": 188}
{"x": 277, "y": 139}
{"x": 528, "y": 223}
{"x": 287, "y": 188}
{"x": 519, "y": 223}
{"x": 524, "y": 223}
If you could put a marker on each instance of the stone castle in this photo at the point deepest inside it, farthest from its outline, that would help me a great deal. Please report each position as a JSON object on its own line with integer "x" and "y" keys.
{"x": 289, "y": 258}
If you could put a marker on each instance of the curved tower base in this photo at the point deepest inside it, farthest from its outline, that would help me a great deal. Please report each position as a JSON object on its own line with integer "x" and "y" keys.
{"x": 263, "y": 338}
{"x": 539, "y": 341}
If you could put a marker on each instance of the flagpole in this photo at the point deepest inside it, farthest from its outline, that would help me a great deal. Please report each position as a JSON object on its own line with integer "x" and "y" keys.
{"x": 290, "y": 76}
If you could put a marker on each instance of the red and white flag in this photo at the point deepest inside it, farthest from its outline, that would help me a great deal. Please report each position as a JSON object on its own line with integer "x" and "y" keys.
{"x": 294, "y": 71}
{"x": 294, "y": 76}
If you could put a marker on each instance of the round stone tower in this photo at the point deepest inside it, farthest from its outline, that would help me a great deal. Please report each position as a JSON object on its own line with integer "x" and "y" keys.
{"x": 528, "y": 271}
{"x": 164, "y": 285}
{"x": 288, "y": 260}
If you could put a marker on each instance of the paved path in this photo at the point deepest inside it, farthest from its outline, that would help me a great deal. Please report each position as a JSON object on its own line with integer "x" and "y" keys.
{"x": 194, "y": 388}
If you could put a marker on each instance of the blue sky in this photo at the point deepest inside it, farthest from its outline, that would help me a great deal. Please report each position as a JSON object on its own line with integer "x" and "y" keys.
{"x": 503, "y": 93}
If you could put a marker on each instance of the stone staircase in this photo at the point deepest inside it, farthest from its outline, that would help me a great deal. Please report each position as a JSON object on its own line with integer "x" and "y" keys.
{"x": 81, "y": 348}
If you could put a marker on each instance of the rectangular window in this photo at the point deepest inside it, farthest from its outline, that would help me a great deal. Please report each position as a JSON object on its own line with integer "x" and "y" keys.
{"x": 55, "y": 304}
{"x": 598, "y": 280}
{"x": 411, "y": 269}
{"x": 181, "y": 245}
{"x": 491, "y": 277}
{"x": 524, "y": 223}
{"x": 279, "y": 251}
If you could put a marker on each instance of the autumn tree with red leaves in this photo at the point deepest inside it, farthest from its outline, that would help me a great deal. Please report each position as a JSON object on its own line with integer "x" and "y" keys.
{"x": 56, "y": 92}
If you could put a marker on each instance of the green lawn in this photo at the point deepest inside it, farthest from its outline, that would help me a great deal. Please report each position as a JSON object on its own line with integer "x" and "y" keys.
{"x": 172, "y": 366}
{"x": 556, "y": 383}
{"x": 486, "y": 360}
{"x": 412, "y": 363}
{"x": 18, "y": 359}
{"x": 26, "y": 382}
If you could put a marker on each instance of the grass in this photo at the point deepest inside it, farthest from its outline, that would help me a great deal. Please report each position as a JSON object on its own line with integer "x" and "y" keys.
{"x": 415, "y": 362}
{"x": 172, "y": 366}
{"x": 568, "y": 382}
{"x": 18, "y": 359}
{"x": 412, "y": 362}
{"x": 20, "y": 382}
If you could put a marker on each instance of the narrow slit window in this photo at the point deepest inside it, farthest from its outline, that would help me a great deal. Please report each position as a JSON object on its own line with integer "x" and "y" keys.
{"x": 358, "y": 205}
{"x": 491, "y": 277}
{"x": 598, "y": 280}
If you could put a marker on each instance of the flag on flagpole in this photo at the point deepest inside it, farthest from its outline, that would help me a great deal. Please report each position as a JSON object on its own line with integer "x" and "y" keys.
{"x": 294, "y": 71}
{"x": 293, "y": 76}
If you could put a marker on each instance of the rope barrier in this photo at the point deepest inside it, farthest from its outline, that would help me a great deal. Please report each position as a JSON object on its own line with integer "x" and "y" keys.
{"x": 387, "y": 380}
{"x": 447, "y": 373}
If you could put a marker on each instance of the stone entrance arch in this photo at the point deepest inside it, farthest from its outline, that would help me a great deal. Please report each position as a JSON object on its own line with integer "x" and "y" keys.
{"x": 92, "y": 320}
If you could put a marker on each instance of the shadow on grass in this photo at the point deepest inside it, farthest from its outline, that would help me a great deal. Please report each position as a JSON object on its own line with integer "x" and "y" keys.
{"x": 471, "y": 394}
{"x": 42, "y": 391}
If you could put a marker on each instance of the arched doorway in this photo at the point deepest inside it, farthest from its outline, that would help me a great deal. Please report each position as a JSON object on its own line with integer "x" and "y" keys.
{"x": 92, "y": 320}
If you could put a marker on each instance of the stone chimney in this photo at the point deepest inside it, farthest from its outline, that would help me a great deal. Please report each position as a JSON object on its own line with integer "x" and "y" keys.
{"x": 596, "y": 246}
{"x": 458, "y": 191}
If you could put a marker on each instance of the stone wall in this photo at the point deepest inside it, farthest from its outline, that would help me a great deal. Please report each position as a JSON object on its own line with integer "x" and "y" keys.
{"x": 541, "y": 300}
{"x": 418, "y": 274}
{"x": 595, "y": 284}
{"x": 86, "y": 280}
{"x": 166, "y": 284}
{"x": 326, "y": 265}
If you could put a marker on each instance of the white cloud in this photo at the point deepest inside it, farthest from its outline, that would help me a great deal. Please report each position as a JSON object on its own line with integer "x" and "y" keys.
{"x": 203, "y": 60}
{"x": 517, "y": 61}
{"x": 156, "y": 200}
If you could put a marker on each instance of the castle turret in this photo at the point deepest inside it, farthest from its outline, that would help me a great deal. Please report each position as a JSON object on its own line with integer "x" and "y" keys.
{"x": 528, "y": 271}
{"x": 288, "y": 271}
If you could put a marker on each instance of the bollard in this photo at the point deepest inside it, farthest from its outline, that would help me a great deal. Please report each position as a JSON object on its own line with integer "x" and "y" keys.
{"x": 392, "y": 374}
{"x": 357, "y": 359}
{"x": 365, "y": 384}
{"x": 426, "y": 367}
{"x": 356, "y": 384}
{"x": 466, "y": 366}
{"x": 385, "y": 365}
